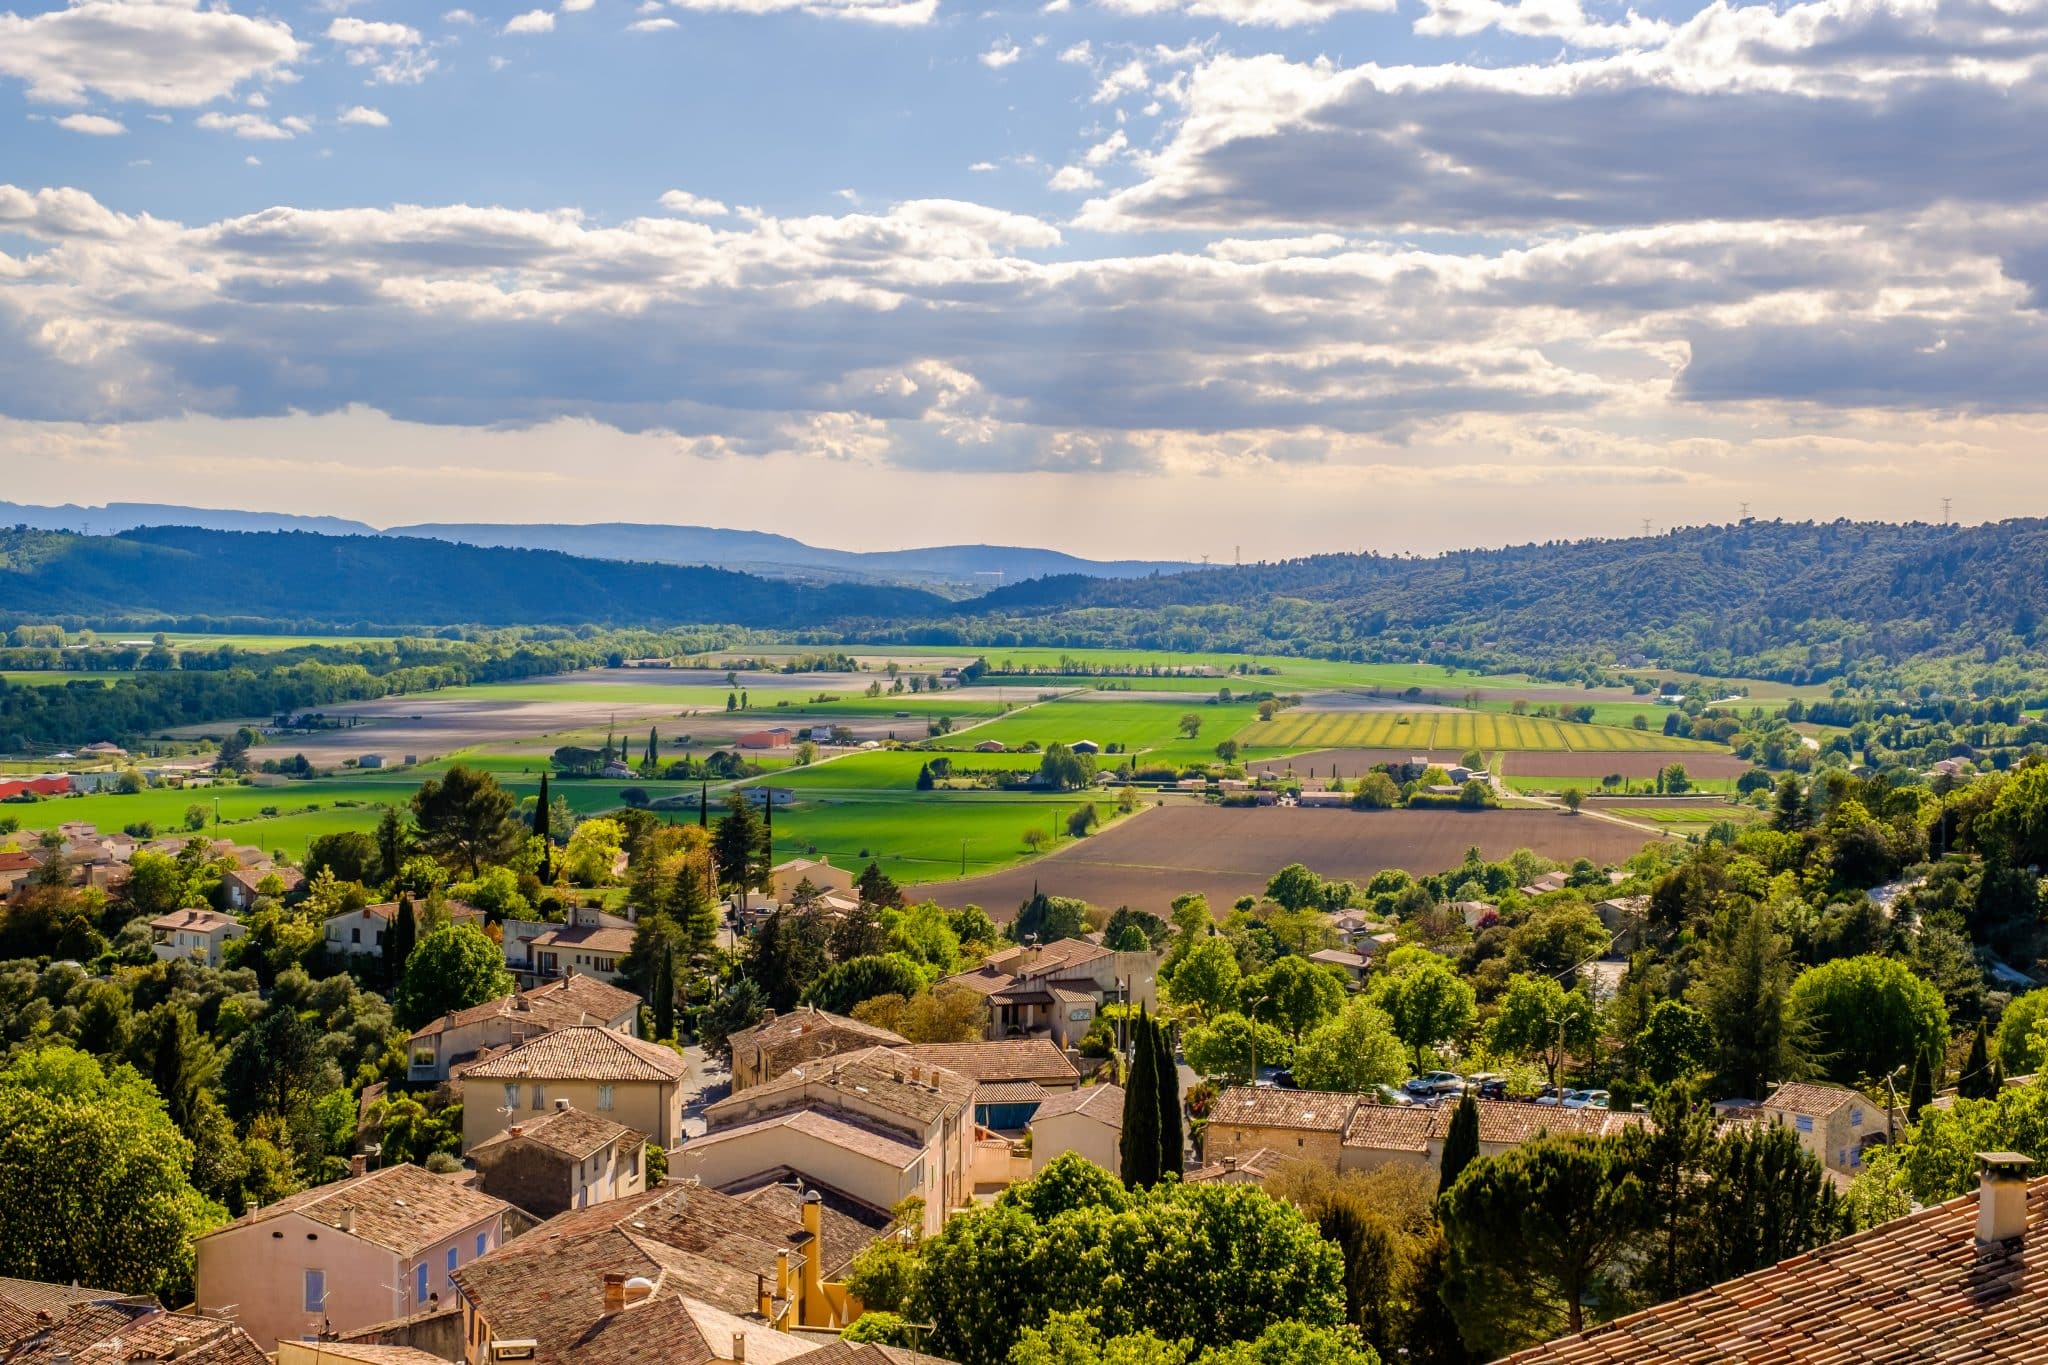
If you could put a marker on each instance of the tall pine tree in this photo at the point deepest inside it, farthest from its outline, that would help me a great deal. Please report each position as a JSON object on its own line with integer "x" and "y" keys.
{"x": 1461, "y": 1143}
{"x": 1166, "y": 1080}
{"x": 1138, "y": 1149}
{"x": 704, "y": 806}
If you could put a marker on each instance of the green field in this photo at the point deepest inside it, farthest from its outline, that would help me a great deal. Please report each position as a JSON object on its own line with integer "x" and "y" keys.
{"x": 1719, "y": 786}
{"x": 917, "y": 837}
{"x": 1151, "y": 727}
{"x": 51, "y": 677}
{"x": 888, "y": 770}
{"x": 1452, "y": 730}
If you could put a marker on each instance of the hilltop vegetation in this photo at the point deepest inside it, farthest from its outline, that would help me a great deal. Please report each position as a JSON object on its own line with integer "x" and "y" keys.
{"x": 393, "y": 580}
{"x": 1798, "y": 602}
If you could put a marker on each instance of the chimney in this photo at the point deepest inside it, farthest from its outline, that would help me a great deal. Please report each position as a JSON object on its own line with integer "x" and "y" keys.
{"x": 764, "y": 1302}
{"x": 1230, "y": 1163}
{"x": 2001, "y": 1199}
{"x": 516, "y": 1129}
{"x": 814, "y": 1255}
{"x": 521, "y": 1003}
{"x": 561, "y": 1105}
{"x": 358, "y": 1163}
{"x": 739, "y": 1348}
{"x": 614, "y": 1294}
{"x": 345, "y": 1218}
{"x": 782, "y": 1275}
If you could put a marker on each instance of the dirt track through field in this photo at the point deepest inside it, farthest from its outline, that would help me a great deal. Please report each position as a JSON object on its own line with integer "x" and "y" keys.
{"x": 1225, "y": 853}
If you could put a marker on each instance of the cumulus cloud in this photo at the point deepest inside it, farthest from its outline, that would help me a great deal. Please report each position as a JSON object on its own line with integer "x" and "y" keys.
{"x": 253, "y": 127}
{"x": 533, "y": 21}
{"x": 93, "y": 125}
{"x": 693, "y": 205}
{"x": 1073, "y": 178}
{"x": 1269, "y": 13}
{"x": 169, "y": 53}
{"x": 1002, "y": 54}
{"x": 651, "y": 25}
{"x": 896, "y": 13}
{"x": 1828, "y": 107}
{"x": 364, "y": 116}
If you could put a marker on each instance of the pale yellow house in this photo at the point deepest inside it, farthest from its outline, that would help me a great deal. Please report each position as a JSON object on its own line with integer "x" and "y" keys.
{"x": 783, "y": 878}
{"x": 597, "y": 1070}
{"x": 871, "y": 1125}
{"x": 455, "y": 1038}
{"x": 1833, "y": 1123}
{"x": 338, "y": 1257}
{"x": 197, "y": 935}
{"x": 1088, "y": 1122}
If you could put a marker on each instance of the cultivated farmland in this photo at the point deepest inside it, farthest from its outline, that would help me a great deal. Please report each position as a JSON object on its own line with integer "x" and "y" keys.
{"x": 1147, "y": 860}
{"x": 1416, "y": 731}
{"x": 1587, "y": 766}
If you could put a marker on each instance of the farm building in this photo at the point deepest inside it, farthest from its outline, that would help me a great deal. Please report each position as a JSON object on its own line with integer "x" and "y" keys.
{"x": 370, "y": 761}
{"x": 776, "y": 738}
{"x": 1085, "y": 746}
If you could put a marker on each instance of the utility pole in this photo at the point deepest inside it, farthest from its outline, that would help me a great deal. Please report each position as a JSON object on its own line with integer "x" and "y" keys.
{"x": 1646, "y": 528}
{"x": 1944, "y": 511}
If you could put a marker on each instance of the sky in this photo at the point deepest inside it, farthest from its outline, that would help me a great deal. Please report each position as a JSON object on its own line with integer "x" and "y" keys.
{"x": 1120, "y": 277}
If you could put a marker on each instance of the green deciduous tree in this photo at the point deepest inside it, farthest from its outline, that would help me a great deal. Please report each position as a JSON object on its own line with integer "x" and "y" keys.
{"x": 1869, "y": 1016}
{"x": 1298, "y": 994}
{"x": 1354, "y": 1050}
{"x": 1230, "y": 1045}
{"x": 1422, "y": 994}
{"x": 1676, "y": 1042}
{"x": 1206, "y": 979}
{"x": 1540, "y": 1019}
{"x": 846, "y": 984}
{"x": 453, "y": 967}
{"x": 1295, "y": 887}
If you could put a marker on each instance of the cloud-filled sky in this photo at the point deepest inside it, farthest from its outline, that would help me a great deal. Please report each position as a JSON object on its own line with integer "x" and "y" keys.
{"x": 1118, "y": 276}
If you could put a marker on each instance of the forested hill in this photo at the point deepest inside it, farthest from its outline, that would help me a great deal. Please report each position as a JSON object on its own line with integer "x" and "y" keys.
{"x": 396, "y": 581}
{"x": 1791, "y": 600}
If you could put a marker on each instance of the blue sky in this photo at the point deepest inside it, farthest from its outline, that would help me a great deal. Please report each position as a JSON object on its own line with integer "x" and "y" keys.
{"x": 1111, "y": 275}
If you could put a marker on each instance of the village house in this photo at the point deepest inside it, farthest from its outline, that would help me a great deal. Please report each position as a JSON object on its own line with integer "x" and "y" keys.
{"x": 1354, "y": 1132}
{"x": 779, "y": 1042}
{"x": 592, "y": 942}
{"x": 1836, "y": 1125}
{"x": 447, "y": 1042}
{"x": 562, "y": 1160}
{"x": 1088, "y": 1121}
{"x": 1056, "y": 989}
{"x": 195, "y": 934}
{"x": 784, "y": 877}
{"x": 241, "y": 887}
{"x": 672, "y": 1275}
{"x": 362, "y": 931}
{"x": 1012, "y": 1078}
{"x": 1236, "y": 1170}
{"x": 359, "y": 1251}
{"x": 47, "y": 1324}
{"x": 352, "y": 1353}
{"x": 873, "y": 1125}
{"x": 1961, "y": 1281}
{"x": 1353, "y": 964}
{"x": 1623, "y": 917}
{"x": 599, "y": 1071}
{"x": 16, "y": 868}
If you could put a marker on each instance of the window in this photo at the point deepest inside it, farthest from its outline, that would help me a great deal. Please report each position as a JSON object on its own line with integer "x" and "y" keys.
{"x": 540, "y": 1099}
{"x": 604, "y": 1098}
{"x": 451, "y": 1260}
{"x": 511, "y": 1097}
{"x": 1855, "y": 1117}
{"x": 1804, "y": 1123}
{"x": 483, "y": 1242}
{"x": 419, "y": 1284}
{"x": 380, "y": 938}
{"x": 316, "y": 1291}
{"x": 355, "y": 935}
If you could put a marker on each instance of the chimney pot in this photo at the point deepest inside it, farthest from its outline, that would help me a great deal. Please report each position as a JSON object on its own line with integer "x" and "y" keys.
{"x": 739, "y": 1348}
{"x": 2001, "y": 1198}
{"x": 517, "y": 1129}
{"x": 358, "y": 1164}
{"x": 345, "y": 1218}
{"x": 614, "y": 1294}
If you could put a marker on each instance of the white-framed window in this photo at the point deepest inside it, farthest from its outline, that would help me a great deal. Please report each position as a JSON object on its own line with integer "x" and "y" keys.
{"x": 316, "y": 1291}
{"x": 604, "y": 1098}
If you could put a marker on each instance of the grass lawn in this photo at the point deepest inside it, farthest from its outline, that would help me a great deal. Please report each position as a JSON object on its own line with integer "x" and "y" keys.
{"x": 1450, "y": 730}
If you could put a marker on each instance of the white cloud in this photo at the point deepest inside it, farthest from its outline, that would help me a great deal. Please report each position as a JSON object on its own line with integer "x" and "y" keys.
{"x": 253, "y": 127}
{"x": 651, "y": 25}
{"x": 982, "y": 166}
{"x": 364, "y": 116}
{"x": 1073, "y": 178}
{"x": 257, "y": 100}
{"x": 351, "y": 32}
{"x": 895, "y": 13}
{"x": 1079, "y": 53}
{"x": 294, "y": 123}
{"x": 533, "y": 21}
{"x": 252, "y": 161}
{"x": 1107, "y": 150}
{"x": 1269, "y": 13}
{"x": 169, "y": 53}
{"x": 458, "y": 16}
{"x": 1126, "y": 79}
{"x": 1001, "y": 54}
{"x": 693, "y": 205}
{"x": 94, "y": 125}
{"x": 1565, "y": 20}
{"x": 576, "y": 6}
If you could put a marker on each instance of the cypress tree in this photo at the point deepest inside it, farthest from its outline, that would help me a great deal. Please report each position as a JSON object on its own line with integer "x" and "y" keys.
{"x": 924, "y": 778}
{"x": 540, "y": 829}
{"x": 665, "y": 993}
{"x": 1138, "y": 1148}
{"x": 653, "y": 748}
{"x": 704, "y": 806}
{"x": 1461, "y": 1143}
{"x": 1977, "y": 1081}
{"x": 1919, "y": 1090}
{"x": 398, "y": 941}
{"x": 732, "y": 701}
{"x": 1166, "y": 1078}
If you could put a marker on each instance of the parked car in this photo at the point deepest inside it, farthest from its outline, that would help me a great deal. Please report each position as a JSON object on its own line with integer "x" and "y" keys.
{"x": 1487, "y": 1085}
{"x": 1284, "y": 1078}
{"x": 1556, "y": 1097}
{"x": 1591, "y": 1099}
{"x": 1435, "y": 1083}
{"x": 1389, "y": 1095}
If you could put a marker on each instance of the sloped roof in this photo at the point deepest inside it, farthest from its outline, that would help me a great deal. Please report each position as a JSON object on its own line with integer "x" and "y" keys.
{"x": 583, "y": 1052}
{"x": 1918, "y": 1288}
{"x": 1013, "y": 1059}
{"x": 869, "y": 1353}
{"x": 371, "y": 1353}
{"x": 1313, "y": 1110}
{"x": 401, "y": 1208}
{"x": 204, "y": 921}
{"x": 788, "y": 1039}
{"x": 1510, "y": 1121}
{"x": 1255, "y": 1165}
{"x": 36, "y": 1296}
{"x": 1818, "y": 1101}
{"x": 570, "y": 1132}
{"x": 561, "y": 1003}
{"x": 1390, "y": 1127}
{"x": 849, "y": 1225}
{"x": 830, "y": 1128}
{"x": 596, "y": 938}
{"x": 1012, "y": 1092}
{"x": 1101, "y": 1102}
{"x": 876, "y": 1075}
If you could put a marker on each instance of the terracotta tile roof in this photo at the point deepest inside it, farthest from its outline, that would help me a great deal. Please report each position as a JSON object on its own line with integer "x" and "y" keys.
{"x": 809, "y": 1033}
{"x": 1060, "y": 954}
{"x": 1015, "y": 1059}
{"x": 876, "y": 1076}
{"x": 1390, "y": 1127}
{"x": 571, "y": 1132}
{"x": 554, "y": 1004}
{"x": 583, "y": 1053}
{"x": 1256, "y": 1165}
{"x": 831, "y": 1129}
{"x": 1914, "y": 1289}
{"x": 549, "y": 1284}
{"x": 400, "y": 1208}
{"x": 56, "y": 1299}
{"x": 81, "y": 1329}
{"x": 1012, "y": 1092}
{"x": 1511, "y": 1122}
{"x": 1818, "y": 1101}
{"x": 1319, "y": 1111}
{"x": 370, "y": 1353}
{"x": 205, "y": 921}
{"x": 1337, "y": 957}
{"x": 182, "y": 1337}
{"x": 849, "y": 1226}
{"x": 980, "y": 982}
{"x": 1104, "y": 1102}
{"x": 592, "y": 938}
{"x": 869, "y": 1353}
{"x": 459, "y": 912}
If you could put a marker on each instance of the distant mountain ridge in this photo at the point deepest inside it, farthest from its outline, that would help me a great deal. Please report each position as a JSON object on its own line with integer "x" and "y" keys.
{"x": 761, "y": 553}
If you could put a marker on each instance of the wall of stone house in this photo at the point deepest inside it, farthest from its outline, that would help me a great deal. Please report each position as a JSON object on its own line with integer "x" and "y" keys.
{"x": 1222, "y": 1140}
